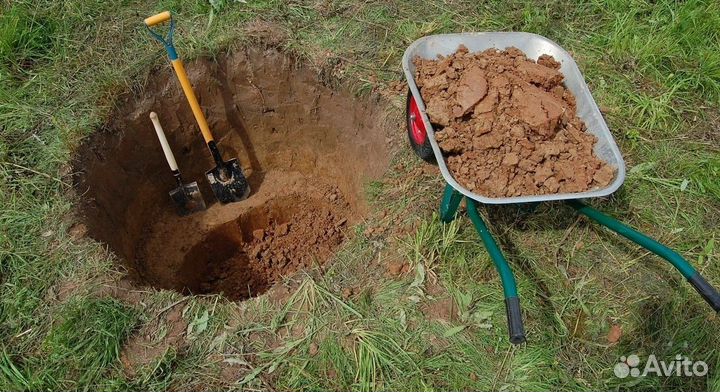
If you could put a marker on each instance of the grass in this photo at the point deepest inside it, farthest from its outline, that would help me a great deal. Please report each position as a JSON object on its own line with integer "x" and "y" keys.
{"x": 25, "y": 40}
{"x": 654, "y": 67}
{"x": 76, "y": 352}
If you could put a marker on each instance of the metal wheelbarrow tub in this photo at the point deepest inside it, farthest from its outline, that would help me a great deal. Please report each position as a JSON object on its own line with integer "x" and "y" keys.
{"x": 533, "y": 46}
{"x": 422, "y": 138}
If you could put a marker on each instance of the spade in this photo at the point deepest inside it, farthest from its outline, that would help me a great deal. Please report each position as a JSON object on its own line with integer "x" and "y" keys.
{"x": 226, "y": 179}
{"x": 187, "y": 197}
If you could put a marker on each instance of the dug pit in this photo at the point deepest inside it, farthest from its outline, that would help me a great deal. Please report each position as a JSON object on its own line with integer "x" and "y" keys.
{"x": 306, "y": 149}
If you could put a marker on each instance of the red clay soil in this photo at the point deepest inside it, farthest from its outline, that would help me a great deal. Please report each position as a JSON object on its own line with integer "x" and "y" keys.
{"x": 507, "y": 125}
{"x": 243, "y": 258}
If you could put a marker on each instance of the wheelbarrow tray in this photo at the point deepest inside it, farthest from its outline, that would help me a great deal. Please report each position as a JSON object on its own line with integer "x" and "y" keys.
{"x": 533, "y": 46}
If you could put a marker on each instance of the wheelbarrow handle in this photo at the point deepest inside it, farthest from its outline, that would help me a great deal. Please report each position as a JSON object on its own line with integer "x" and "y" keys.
{"x": 516, "y": 329}
{"x": 707, "y": 291}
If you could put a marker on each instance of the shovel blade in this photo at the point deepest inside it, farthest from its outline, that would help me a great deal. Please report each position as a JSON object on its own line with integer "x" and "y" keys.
{"x": 188, "y": 199}
{"x": 228, "y": 182}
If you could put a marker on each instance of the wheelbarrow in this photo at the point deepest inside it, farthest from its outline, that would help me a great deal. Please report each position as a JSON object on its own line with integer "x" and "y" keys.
{"x": 422, "y": 139}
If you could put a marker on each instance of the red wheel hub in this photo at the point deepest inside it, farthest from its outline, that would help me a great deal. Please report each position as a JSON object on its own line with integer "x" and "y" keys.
{"x": 419, "y": 134}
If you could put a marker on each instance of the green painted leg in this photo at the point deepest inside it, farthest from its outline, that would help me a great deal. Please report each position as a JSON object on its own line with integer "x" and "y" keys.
{"x": 512, "y": 303}
{"x": 450, "y": 203}
{"x": 708, "y": 292}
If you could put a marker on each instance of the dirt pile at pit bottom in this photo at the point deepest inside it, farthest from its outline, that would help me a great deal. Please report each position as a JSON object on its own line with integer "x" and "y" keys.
{"x": 507, "y": 125}
{"x": 241, "y": 268}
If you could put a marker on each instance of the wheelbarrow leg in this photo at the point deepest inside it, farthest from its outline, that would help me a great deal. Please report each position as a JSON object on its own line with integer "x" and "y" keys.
{"x": 450, "y": 203}
{"x": 707, "y": 291}
{"x": 512, "y": 303}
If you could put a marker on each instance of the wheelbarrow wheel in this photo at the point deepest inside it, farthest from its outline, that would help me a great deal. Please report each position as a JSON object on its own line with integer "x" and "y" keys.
{"x": 417, "y": 134}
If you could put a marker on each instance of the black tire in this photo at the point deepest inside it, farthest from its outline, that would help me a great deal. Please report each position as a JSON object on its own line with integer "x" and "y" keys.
{"x": 424, "y": 150}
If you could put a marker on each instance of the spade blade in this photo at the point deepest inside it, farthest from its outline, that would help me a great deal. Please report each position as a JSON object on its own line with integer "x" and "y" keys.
{"x": 188, "y": 199}
{"x": 228, "y": 182}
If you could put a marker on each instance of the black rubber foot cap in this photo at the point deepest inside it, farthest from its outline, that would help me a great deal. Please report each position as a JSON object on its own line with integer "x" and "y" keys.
{"x": 706, "y": 290}
{"x": 515, "y": 323}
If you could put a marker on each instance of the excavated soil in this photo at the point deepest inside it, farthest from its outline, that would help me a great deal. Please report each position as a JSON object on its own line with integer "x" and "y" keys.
{"x": 507, "y": 125}
{"x": 244, "y": 257}
{"x": 306, "y": 149}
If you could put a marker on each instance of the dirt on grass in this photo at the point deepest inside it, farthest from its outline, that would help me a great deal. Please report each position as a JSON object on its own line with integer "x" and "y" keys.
{"x": 307, "y": 150}
{"x": 149, "y": 344}
{"x": 507, "y": 124}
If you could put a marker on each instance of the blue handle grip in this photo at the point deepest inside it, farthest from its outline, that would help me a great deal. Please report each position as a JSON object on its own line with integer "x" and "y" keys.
{"x": 166, "y": 41}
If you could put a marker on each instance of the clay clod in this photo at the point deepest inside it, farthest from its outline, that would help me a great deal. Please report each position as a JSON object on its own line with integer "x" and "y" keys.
{"x": 473, "y": 87}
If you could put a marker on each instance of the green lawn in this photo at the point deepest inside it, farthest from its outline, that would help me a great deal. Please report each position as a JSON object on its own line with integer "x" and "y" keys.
{"x": 653, "y": 67}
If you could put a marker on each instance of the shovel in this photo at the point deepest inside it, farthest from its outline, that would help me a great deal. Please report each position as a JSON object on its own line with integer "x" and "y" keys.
{"x": 226, "y": 179}
{"x": 187, "y": 198}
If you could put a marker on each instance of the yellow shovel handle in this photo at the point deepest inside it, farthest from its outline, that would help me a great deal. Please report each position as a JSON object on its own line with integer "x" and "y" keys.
{"x": 157, "y": 18}
{"x": 192, "y": 100}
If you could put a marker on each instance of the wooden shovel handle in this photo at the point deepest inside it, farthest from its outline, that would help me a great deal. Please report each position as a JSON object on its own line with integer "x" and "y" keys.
{"x": 163, "y": 142}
